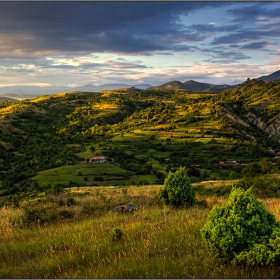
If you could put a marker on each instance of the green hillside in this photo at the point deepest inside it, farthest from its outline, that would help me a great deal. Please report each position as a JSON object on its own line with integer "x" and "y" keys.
{"x": 142, "y": 134}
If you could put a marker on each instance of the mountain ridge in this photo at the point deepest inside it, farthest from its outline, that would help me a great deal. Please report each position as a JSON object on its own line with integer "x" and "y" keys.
{"x": 270, "y": 78}
{"x": 30, "y": 92}
{"x": 192, "y": 85}
{"x": 195, "y": 86}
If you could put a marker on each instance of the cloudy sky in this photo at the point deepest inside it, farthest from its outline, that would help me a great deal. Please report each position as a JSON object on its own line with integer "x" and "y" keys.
{"x": 77, "y": 43}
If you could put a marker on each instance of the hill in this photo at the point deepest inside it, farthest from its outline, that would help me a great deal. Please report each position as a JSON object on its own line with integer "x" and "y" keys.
{"x": 7, "y": 99}
{"x": 191, "y": 86}
{"x": 30, "y": 92}
{"x": 91, "y": 88}
{"x": 255, "y": 104}
{"x": 272, "y": 77}
{"x": 143, "y": 134}
{"x": 194, "y": 86}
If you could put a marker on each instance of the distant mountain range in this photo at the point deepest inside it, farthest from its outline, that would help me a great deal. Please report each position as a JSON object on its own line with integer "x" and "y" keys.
{"x": 29, "y": 92}
{"x": 192, "y": 86}
{"x": 204, "y": 87}
{"x": 5, "y": 99}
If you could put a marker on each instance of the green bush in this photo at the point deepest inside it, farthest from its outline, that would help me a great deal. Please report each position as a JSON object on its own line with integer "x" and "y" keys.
{"x": 262, "y": 186}
{"x": 116, "y": 234}
{"x": 38, "y": 215}
{"x": 71, "y": 201}
{"x": 242, "y": 231}
{"x": 258, "y": 254}
{"x": 262, "y": 254}
{"x": 66, "y": 214}
{"x": 33, "y": 215}
{"x": 89, "y": 209}
{"x": 56, "y": 190}
{"x": 252, "y": 170}
{"x": 177, "y": 190}
{"x": 255, "y": 169}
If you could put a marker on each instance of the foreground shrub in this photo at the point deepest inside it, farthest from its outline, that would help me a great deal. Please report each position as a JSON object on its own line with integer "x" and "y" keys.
{"x": 242, "y": 231}
{"x": 177, "y": 190}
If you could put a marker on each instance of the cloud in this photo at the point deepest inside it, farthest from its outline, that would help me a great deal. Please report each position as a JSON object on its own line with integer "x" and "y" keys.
{"x": 210, "y": 73}
{"x": 103, "y": 42}
{"x": 214, "y": 28}
{"x": 132, "y": 27}
{"x": 258, "y": 12}
{"x": 246, "y": 35}
{"x": 222, "y": 55}
{"x": 258, "y": 22}
{"x": 255, "y": 45}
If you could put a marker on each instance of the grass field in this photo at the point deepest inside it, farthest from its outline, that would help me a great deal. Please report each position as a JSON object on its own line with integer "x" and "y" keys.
{"x": 77, "y": 173}
{"x": 157, "y": 241}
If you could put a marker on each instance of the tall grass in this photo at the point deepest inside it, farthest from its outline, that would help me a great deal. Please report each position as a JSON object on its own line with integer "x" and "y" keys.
{"x": 157, "y": 241}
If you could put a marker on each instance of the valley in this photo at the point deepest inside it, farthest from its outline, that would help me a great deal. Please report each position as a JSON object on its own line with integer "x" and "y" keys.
{"x": 142, "y": 135}
{"x": 139, "y": 140}
{"x": 68, "y": 159}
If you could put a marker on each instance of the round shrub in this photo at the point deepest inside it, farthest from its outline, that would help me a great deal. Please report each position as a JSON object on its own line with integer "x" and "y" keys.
{"x": 236, "y": 228}
{"x": 177, "y": 190}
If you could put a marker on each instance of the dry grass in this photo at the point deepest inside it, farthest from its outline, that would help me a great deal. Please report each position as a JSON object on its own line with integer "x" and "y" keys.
{"x": 273, "y": 206}
{"x": 215, "y": 184}
{"x": 157, "y": 242}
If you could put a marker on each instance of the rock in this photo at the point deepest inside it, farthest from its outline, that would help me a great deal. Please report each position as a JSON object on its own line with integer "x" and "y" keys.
{"x": 126, "y": 208}
{"x": 273, "y": 129}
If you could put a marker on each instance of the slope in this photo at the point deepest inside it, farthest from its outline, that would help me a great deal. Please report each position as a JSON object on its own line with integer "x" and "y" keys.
{"x": 146, "y": 132}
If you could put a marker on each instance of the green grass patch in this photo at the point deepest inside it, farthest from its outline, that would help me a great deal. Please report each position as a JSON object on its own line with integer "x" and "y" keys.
{"x": 77, "y": 173}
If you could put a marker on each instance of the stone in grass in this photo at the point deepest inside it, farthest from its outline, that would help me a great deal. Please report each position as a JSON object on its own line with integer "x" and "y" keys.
{"x": 126, "y": 208}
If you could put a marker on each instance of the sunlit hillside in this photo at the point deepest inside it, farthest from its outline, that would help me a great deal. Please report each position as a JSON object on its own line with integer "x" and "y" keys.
{"x": 142, "y": 133}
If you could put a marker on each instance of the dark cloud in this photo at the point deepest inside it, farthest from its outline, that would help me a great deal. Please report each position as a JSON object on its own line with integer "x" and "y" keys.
{"x": 255, "y": 45}
{"x": 211, "y": 28}
{"x": 246, "y": 35}
{"x": 124, "y": 27}
{"x": 55, "y": 42}
{"x": 224, "y": 56}
{"x": 254, "y": 12}
{"x": 258, "y": 22}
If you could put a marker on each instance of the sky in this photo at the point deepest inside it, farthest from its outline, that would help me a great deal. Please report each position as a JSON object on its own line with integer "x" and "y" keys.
{"x": 77, "y": 43}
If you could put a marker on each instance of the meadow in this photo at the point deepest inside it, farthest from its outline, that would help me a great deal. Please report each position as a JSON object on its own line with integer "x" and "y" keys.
{"x": 71, "y": 237}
